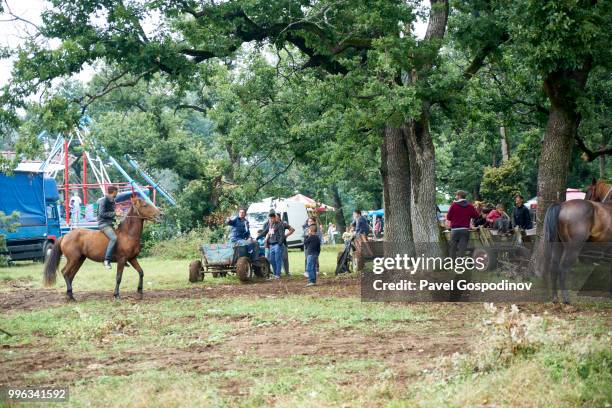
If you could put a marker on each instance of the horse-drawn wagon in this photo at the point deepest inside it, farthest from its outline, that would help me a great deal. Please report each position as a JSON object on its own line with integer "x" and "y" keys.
{"x": 509, "y": 250}
{"x": 356, "y": 252}
{"x": 221, "y": 259}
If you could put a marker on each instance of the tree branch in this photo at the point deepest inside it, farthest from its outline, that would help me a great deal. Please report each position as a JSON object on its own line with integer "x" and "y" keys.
{"x": 589, "y": 154}
{"x": 271, "y": 179}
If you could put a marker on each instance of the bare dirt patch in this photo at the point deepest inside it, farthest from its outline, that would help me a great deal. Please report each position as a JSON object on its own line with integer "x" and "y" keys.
{"x": 26, "y": 299}
{"x": 247, "y": 348}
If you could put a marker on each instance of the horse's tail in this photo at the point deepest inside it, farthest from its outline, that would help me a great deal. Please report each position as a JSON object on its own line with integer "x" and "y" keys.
{"x": 52, "y": 264}
{"x": 551, "y": 235}
{"x": 550, "y": 223}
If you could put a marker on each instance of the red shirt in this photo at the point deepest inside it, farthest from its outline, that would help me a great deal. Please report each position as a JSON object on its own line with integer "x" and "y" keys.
{"x": 493, "y": 215}
{"x": 460, "y": 213}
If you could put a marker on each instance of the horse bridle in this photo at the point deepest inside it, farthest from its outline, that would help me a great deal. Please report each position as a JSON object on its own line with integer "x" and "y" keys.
{"x": 607, "y": 195}
{"x": 139, "y": 216}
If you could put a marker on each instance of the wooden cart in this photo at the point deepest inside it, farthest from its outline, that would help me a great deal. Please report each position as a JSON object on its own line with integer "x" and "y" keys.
{"x": 221, "y": 259}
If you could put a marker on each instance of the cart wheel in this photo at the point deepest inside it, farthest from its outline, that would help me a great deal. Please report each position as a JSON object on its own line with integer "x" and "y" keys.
{"x": 264, "y": 268}
{"x": 487, "y": 256}
{"x": 243, "y": 268}
{"x": 195, "y": 271}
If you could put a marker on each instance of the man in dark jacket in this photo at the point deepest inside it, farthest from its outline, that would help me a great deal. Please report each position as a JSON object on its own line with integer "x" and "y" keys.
{"x": 274, "y": 231}
{"x": 521, "y": 215}
{"x": 459, "y": 215}
{"x": 239, "y": 226}
{"x": 360, "y": 224}
{"x": 106, "y": 221}
{"x": 241, "y": 235}
{"x": 312, "y": 249}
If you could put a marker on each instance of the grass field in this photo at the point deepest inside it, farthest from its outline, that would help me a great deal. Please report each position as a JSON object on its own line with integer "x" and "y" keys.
{"x": 221, "y": 343}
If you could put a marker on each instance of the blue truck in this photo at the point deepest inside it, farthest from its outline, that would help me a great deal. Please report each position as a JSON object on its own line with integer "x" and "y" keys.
{"x": 35, "y": 197}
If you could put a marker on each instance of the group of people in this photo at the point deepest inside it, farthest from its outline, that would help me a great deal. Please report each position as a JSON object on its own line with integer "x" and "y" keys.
{"x": 272, "y": 241}
{"x": 463, "y": 215}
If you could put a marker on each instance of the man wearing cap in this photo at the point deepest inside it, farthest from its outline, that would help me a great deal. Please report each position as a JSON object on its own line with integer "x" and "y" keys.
{"x": 459, "y": 215}
{"x": 273, "y": 231}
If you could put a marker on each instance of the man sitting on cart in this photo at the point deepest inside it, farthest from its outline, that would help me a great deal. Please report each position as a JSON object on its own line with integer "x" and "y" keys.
{"x": 240, "y": 235}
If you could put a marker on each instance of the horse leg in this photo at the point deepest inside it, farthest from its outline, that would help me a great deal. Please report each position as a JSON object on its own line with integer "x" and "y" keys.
{"x": 69, "y": 272}
{"x": 120, "y": 266}
{"x": 136, "y": 265}
{"x": 557, "y": 253}
{"x": 570, "y": 255}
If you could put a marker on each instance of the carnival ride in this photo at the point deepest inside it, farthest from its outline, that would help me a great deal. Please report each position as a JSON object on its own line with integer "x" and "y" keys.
{"x": 64, "y": 150}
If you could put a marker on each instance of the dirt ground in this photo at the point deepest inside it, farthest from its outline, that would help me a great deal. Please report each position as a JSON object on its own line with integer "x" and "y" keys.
{"x": 408, "y": 352}
{"x": 29, "y": 299}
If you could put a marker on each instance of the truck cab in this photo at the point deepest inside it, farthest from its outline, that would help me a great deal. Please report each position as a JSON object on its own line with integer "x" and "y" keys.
{"x": 35, "y": 198}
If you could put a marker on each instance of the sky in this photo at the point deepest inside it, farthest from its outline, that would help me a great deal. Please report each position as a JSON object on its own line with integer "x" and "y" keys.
{"x": 12, "y": 32}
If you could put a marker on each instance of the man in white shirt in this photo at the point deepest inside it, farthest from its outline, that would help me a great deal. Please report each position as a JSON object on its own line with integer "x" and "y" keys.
{"x": 75, "y": 209}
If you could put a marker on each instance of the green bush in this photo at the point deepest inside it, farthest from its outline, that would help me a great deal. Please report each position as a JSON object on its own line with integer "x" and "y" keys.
{"x": 8, "y": 223}
{"x": 501, "y": 184}
{"x": 184, "y": 246}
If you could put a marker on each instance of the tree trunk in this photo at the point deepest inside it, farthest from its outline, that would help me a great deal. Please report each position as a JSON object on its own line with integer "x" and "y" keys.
{"x": 562, "y": 89}
{"x": 339, "y": 213}
{"x": 396, "y": 183}
{"x": 602, "y": 164}
{"x": 421, "y": 151}
{"x": 505, "y": 152}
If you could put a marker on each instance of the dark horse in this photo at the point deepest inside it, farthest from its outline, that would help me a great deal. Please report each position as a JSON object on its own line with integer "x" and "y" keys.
{"x": 567, "y": 227}
{"x": 81, "y": 244}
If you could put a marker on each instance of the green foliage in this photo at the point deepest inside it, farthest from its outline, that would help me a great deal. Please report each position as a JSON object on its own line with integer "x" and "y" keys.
{"x": 184, "y": 246}
{"x": 8, "y": 223}
{"x": 501, "y": 184}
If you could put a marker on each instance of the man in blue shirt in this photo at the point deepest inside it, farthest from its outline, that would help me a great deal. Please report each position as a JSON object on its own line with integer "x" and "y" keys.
{"x": 239, "y": 226}
{"x": 240, "y": 235}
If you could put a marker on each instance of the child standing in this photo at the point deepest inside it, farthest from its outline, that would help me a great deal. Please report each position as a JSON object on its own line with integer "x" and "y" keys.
{"x": 312, "y": 248}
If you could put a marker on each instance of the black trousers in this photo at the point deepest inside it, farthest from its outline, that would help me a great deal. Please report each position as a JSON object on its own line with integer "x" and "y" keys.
{"x": 458, "y": 242}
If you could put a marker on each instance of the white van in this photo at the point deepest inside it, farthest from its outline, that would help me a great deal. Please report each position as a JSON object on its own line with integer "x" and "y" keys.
{"x": 292, "y": 212}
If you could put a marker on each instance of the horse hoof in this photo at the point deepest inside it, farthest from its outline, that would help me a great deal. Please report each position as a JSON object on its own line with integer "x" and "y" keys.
{"x": 70, "y": 299}
{"x": 116, "y": 297}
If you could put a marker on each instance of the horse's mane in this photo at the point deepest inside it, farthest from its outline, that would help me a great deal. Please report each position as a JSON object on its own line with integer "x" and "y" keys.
{"x": 125, "y": 219}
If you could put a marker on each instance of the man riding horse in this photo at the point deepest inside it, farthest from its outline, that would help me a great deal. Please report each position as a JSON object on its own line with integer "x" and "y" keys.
{"x": 106, "y": 222}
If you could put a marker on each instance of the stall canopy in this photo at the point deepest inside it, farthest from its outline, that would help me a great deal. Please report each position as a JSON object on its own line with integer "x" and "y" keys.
{"x": 570, "y": 194}
{"x": 377, "y": 213}
{"x": 311, "y": 204}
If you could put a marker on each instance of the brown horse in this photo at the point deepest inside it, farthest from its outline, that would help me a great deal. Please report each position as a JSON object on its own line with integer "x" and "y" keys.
{"x": 81, "y": 244}
{"x": 568, "y": 227}
{"x": 599, "y": 191}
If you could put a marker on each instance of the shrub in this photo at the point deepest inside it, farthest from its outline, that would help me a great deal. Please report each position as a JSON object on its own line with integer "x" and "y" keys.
{"x": 8, "y": 223}
{"x": 184, "y": 246}
{"x": 501, "y": 184}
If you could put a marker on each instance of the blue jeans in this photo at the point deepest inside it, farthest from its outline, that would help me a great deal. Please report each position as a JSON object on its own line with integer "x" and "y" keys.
{"x": 311, "y": 267}
{"x": 276, "y": 258}
{"x": 110, "y": 233}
